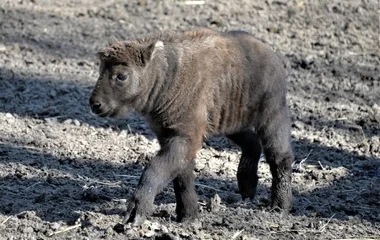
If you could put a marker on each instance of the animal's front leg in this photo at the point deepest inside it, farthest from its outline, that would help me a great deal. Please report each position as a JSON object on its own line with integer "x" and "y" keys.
{"x": 163, "y": 168}
{"x": 186, "y": 197}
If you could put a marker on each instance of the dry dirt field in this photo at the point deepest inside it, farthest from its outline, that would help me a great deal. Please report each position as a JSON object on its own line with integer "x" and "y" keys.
{"x": 66, "y": 174}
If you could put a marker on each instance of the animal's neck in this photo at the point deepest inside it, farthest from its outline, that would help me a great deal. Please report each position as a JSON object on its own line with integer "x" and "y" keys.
{"x": 155, "y": 80}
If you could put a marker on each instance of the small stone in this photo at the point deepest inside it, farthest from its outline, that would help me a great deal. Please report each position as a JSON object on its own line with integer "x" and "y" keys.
{"x": 28, "y": 230}
{"x": 55, "y": 226}
{"x": 49, "y": 232}
{"x": 154, "y": 226}
{"x": 214, "y": 203}
{"x": 164, "y": 229}
{"x": 123, "y": 133}
{"x": 128, "y": 226}
{"x": 68, "y": 121}
{"x": 328, "y": 177}
{"x": 76, "y": 122}
{"x": 296, "y": 226}
{"x": 376, "y": 108}
{"x": 147, "y": 222}
{"x": 149, "y": 234}
{"x": 2, "y": 48}
{"x": 109, "y": 231}
{"x": 9, "y": 115}
{"x": 53, "y": 93}
{"x": 51, "y": 120}
{"x": 298, "y": 125}
{"x": 184, "y": 234}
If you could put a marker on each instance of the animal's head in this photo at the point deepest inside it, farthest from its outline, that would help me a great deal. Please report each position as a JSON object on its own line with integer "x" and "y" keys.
{"x": 122, "y": 77}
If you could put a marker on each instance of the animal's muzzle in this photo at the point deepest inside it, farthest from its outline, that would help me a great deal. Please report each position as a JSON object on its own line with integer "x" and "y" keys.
{"x": 96, "y": 106}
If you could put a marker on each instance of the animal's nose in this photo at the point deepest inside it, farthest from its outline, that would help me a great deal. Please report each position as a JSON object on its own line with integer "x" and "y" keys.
{"x": 95, "y": 107}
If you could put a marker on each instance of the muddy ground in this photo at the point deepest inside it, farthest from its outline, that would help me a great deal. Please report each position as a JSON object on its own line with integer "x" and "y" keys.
{"x": 66, "y": 174}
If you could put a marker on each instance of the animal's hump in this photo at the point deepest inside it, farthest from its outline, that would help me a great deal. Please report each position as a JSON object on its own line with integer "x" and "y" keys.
{"x": 178, "y": 37}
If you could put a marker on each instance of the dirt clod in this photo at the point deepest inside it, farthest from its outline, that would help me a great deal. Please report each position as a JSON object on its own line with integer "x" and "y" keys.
{"x": 119, "y": 228}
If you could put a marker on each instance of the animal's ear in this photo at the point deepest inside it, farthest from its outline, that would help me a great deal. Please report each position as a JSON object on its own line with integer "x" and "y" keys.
{"x": 148, "y": 53}
{"x": 106, "y": 53}
{"x": 112, "y": 40}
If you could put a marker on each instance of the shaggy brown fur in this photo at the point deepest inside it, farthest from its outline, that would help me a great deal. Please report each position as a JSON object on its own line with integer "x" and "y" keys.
{"x": 193, "y": 85}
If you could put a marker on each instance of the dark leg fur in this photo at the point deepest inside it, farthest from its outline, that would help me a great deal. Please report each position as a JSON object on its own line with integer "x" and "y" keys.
{"x": 186, "y": 197}
{"x": 162, "y": 169}
{"x": 275, "y": 139}
{"x": 247, "y": 171}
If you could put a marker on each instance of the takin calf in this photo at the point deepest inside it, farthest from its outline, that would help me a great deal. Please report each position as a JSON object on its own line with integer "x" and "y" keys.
{"x": 193, "y": 85}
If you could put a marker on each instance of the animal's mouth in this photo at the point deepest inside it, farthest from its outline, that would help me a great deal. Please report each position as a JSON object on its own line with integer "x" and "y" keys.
{"x": 107, "y": 113}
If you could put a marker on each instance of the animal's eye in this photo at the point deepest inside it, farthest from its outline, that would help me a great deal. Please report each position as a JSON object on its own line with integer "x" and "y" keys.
{"x": 122, "y": 77}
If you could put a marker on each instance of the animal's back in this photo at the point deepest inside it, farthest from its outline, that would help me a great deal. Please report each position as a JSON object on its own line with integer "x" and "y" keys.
{"x": 225, "y": 77}
{"x": 243, "y": 76}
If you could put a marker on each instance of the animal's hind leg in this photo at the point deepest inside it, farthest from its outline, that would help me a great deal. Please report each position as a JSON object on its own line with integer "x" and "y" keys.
{"x": 186, "y": 197}
{"x": 250, "y": 146}
{"x": 275, "y": 139}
